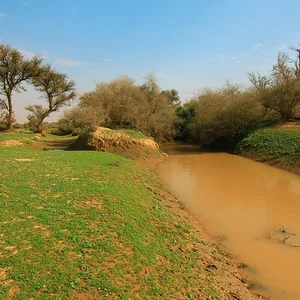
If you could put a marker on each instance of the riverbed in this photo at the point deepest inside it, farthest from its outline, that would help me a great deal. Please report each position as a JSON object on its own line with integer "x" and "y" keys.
{"x": 251, "y": 208}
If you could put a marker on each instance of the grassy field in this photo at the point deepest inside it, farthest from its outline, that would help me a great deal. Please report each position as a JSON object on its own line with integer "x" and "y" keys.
{"x": 274, "y": 146}
{"x": 92, "y": 225}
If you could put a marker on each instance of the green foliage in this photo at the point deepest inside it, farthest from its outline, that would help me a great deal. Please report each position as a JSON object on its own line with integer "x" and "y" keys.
{"x": 26, "y": 137}
{"x": 57, "y": 91}
{"x": 35, "y": 119}
{"x": 134, "y": 134}
{"x": 271, "y": 144}
{"x": 173, "y": 96}
{"x": 186, "y": 115}
{"x": 14, "y": 70}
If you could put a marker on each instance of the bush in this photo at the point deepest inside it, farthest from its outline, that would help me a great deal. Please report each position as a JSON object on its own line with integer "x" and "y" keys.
{"x": 123, "y": 104}
{"x": 223, "y": 116}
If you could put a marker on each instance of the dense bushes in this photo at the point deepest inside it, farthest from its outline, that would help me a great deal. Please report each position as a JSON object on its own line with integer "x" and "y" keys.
{"x": 220, "y": 116}
{"x": 122, "y": 103}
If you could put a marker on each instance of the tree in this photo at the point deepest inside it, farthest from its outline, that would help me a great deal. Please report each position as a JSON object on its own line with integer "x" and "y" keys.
{"x": 219, "y": 118}
{"x": 281, "y": 90}
{"x": 57, "y": 91}
{"x": 14, "y": 70}
{"x": 296, "y": 61}
{"x": 173, "y": 96}
{"x": 186, "y": 116}
{"x": 81, "y": 117}
{"x": 35, "y": 119}
{"x": 157, "y": 115}
{"x": 122, "y": 103}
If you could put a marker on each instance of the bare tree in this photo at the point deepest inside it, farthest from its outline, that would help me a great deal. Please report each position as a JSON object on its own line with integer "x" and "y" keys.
{"x": 297, "y": 61}
{"x": 281, "y": 90}
{"x": 14, "y": 70}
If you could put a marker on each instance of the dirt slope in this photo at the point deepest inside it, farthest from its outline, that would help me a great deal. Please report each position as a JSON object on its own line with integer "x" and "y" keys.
{"x": 143, "y": 150}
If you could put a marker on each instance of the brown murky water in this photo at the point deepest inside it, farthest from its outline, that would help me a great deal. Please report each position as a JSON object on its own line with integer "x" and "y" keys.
{"x": 253, "y": 208}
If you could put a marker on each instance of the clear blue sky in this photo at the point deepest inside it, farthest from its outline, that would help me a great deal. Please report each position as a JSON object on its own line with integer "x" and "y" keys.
{"x": 188, "y": 44}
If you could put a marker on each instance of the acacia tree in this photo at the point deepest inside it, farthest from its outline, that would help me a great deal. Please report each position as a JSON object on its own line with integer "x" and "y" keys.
{"x": 14, "y": 70}
{"x": 173, "y": 96}
{"x": 56, "y": 89}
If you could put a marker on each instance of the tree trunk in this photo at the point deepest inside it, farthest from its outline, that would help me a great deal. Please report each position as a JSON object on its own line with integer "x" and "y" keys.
{"x": 40, "y": 125}
{"x": 10, "y": 116}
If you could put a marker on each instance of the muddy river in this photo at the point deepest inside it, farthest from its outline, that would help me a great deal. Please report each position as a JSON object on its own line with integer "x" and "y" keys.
{"x": 253, "y": 209}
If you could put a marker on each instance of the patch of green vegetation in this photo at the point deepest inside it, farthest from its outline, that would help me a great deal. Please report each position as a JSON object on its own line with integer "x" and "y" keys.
{"x": 83, "y": 224}
{"x": 135, "y": 134}
{"x": 26, "y": 137}
{"x": 29, "y": 137}
{"x": 130, "y": 132}
{"x": 273, "y": 144}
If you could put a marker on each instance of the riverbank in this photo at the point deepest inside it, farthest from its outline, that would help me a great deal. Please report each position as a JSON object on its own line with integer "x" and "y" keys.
{"x": 85, "y": 224}
{"x": 278, "y": 146}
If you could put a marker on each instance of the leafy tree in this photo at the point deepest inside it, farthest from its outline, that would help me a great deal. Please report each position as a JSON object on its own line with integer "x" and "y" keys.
{"x": 173, "y": 96}
{"x": 186, "y": 115}
{"x": 57, "y": 91}
{"x": 14, "y": 70}
{"x": 35, "y": 119}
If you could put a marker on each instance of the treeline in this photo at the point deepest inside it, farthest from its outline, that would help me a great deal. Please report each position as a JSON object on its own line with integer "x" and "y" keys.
{"x": 224, "y": 116}
{"x": 214, "y": 117}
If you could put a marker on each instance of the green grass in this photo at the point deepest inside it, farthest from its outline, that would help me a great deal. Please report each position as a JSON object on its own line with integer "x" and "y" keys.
{"x": 26, "y": 137}
{"x": 135, "y": 134}
{"x": 29, "y": 137}
{"x": 273, "y": 144}
{"x": 90, "y": 225}
{"x": 130, "y": 132}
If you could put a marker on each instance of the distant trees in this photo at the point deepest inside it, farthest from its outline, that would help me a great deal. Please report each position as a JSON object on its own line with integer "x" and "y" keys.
{"x": 122, "y": 103}
{"x": 14, "y": 70}
{"x": 219, "y": 115}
